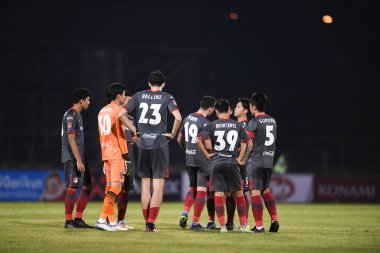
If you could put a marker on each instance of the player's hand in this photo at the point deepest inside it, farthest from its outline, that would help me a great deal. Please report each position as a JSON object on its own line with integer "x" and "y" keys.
{"x": 80, "y": 166}
{"x": 169, "y": 136}
{"x": 128, "y": 164}
{"x": 240, "y": 162}
{"x": 104, "y": 168}
{"x": 210, "y": 155}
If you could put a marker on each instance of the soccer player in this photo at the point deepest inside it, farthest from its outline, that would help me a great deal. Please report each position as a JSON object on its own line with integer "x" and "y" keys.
{"x": 222, "y": 136}
{"x": 262, "y": 129}
{"x": 153, "y": 151}
{"x": 77, "y": 172}
{"x": 197, "y": 165}
{"x": 129, "y": 181}
{"x": 114, "y": 153}
{"x": 240, "y": 112}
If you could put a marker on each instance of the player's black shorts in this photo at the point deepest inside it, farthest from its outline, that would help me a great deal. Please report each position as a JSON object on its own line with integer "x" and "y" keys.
{"x": 129, "y": 181}
{"x": 198, "y": 176}
{"x": 243, "y": 174}
{"x": 225, "y": 177}
{"x": 258, "y": 177}
{"x": 74, "y": 178}
{"x": 154, "y": 163}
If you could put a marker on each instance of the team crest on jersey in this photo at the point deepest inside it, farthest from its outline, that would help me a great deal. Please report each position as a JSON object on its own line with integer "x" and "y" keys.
{"x": 69, "y": 125}
{"x": 75, "y": 180}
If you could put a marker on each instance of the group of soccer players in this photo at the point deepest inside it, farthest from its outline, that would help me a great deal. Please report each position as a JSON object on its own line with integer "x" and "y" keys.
{"x": 224, "y": 158}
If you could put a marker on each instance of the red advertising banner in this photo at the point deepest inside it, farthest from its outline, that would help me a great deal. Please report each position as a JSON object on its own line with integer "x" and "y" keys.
{"x": 354, "y": 190}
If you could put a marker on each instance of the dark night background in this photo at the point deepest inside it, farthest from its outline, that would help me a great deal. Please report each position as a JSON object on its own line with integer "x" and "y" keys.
{"x": 322, "y": 80}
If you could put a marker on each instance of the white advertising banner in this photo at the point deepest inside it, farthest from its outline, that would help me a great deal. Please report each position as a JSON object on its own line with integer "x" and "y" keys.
{"x": 296, "y": 188}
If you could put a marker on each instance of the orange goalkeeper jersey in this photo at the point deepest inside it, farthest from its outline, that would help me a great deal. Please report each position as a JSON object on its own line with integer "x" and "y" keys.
{"x": 111, "y": 133}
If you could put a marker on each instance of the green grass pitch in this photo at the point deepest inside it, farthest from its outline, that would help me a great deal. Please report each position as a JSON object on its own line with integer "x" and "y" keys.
{"x": 38, "y": 227}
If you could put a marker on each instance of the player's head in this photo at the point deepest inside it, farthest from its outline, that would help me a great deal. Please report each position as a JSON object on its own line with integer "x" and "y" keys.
{"x": 128, "y": 96}
{"x": 156, "y": 78}
{"x": 116, "y": 92}
{"x": 81, "y": 96}
{"x": 208, "y": 104}
{"x": 258, "y": 102}
{"x": 242, "y": 107}
{"x": 223, "y": 106}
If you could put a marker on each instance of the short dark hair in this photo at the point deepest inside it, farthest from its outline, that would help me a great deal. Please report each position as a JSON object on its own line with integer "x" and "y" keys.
{"x": 128, "y": 93}
{"x": 207, "y": 102}
{"x": 244, "y": 102}
{"x": 156, "y": 78}
{"x": 80, "y": 93}
{"x": 260, "y": 100}
{"x": 222, "y": 105}
{"x": 115, "y": 89}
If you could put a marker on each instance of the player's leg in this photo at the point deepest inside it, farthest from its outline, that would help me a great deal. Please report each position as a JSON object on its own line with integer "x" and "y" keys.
{"x": 231, "y": 208}
{"x": 155, "y": 203}
{"x": 83, "y": 198}
{"x": 190, "y": 196}
{"x": 160, "y": 171}
{"x": 245, "y": 188}
{"x": 145, "y": 172}
{"x": 71, "y": 191}
{"x": 234, "y": 184}
{"x": 200, "y": 200}
{"x": 219, "y": 184}
{"x": 269, "y": 201}
{"x": 255, "y": 186}
{"x": 115, "y": 170}
{"x": 210, "y": 206}
{"x": 145, "y": 197}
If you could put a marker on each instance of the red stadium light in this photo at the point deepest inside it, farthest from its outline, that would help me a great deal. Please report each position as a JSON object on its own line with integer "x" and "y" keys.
{"x": 327, "y": 19}
{"x": 234, "y": 16}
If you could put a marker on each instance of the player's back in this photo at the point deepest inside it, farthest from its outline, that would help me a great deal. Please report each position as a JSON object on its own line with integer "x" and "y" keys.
{"x": 111, "y": 132}
{"x": 192, "y": 125}
{"x": 264, "y": 128}
{"x": 151, "y": 115}
{"x": 225, "y": 135}
{"x": 72, "y": 123}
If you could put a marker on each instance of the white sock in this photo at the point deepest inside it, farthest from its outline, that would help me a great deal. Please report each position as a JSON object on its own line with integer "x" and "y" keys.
{"x": 100, "y": 220}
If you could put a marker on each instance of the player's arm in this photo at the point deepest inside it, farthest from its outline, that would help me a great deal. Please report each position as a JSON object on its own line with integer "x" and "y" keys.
{"x": 246, "y": 153}
{"x": 242, "y": 149}
{"x": 176, "y": 125}
{"x": 181, "y": 141}
{"x": 74, "y": 149}
{"x": 202, "y": 147}
{"x": 123, "y": 117}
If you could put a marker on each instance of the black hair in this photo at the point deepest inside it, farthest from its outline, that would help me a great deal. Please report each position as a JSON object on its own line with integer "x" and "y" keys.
{"x": 115, "y": 89}
{"x": 244, "y": 102}
{"x": 207, "y": 102}
{"x": 260, "y": 100}
{"x": 80, "y": 93}
{"x": 156, "y": 78}
{"x": 222, "y": 105}
{"x": 128, "y": 93}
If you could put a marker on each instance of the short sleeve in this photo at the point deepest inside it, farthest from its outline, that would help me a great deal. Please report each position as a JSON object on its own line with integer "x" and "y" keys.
{"x": 205, "y": 134}
{"x": 172, "y": 104}
{"x": 70, "y": 123}
{"x": 131, "y": 105}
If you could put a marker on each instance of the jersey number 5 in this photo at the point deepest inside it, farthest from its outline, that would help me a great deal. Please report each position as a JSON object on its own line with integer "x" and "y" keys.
{"x": 156, "y": 114}
{"x": 269, "y": 134}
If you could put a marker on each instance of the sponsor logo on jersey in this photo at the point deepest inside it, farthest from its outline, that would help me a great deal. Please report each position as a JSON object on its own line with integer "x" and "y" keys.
{"x": 268, "y": 153}
{"x": 192, "y": 118}
{"x": 149, "y": 136}
{"x": 267, "y": 121}
{"x": 224, "y": 155}
{"x": 69, "y": 118}
{"x": 190, "y": 152}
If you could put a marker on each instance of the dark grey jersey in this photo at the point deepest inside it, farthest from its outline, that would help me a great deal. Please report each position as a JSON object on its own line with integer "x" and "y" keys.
{"x": 263, "y": 131}
{"x": 151, "y": 115}
{"x": 192, "y": 125}
{"x": 72, "y": 123}
{"x": 225, "y": 136}
{"x": 128, "y": 136}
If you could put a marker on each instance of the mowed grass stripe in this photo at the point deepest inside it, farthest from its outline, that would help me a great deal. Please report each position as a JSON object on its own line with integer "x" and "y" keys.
{"x": 38, "y": 227}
